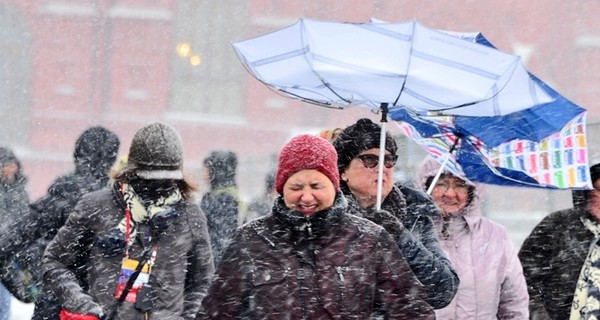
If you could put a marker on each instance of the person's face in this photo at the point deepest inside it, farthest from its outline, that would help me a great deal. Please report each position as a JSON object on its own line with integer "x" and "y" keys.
{"x": 451, "y": 194}
{"x": 308, "y": 191}
{"x": 593, "y": 204}
{"x": 8, "y": 171}
{"x": 361, "y": 176}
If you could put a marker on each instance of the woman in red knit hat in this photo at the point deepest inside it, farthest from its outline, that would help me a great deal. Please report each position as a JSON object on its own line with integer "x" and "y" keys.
{"x": 308, "y": 259}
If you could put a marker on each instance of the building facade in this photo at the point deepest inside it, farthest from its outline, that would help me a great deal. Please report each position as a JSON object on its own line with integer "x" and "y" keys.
{"x": 66, "y": 65}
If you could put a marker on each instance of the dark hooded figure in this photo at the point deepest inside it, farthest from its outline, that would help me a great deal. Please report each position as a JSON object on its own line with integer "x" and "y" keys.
{"x": 146, "y": 217}
{"x": 13, "y": 203}
{"x": 95, "y": 152}
{"x": 561, "y": 259}
{"x": 222, "y": 204}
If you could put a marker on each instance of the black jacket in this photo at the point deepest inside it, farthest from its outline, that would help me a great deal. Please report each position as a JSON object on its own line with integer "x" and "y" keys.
{"x": 95, "y": 152}
{"x": 330, "y": 266}
{"x": 552, "y": 257}
{"x": 417, "y": 240}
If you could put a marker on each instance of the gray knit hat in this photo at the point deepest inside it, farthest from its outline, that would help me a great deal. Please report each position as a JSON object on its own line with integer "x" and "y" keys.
{"x": 157, "y": 152}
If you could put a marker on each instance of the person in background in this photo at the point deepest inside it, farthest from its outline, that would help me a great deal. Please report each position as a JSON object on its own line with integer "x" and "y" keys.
{"x": 94, "y": 153}
{"x": 145, "y": 218}
{"x": 222, "y": 205}
{"x": 492, "y": 285}
{"x": 310, "y": 259}
{"x": 14, "y": 200}
{"x": 358, "y": 156}
{"x": 561, "y": 259}
{"x": 261, "y": 205}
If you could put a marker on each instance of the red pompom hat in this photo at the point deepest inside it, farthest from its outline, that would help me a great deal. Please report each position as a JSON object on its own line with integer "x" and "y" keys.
{"x": 307, "y": 152}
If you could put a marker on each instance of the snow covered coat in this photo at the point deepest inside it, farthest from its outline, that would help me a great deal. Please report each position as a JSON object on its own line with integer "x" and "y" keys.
{"x": 417, "y": 241}
{"x": 222, "y": 204}
{"x": 180, "y": 276}
{"x": 492, "y": 285}
{"x": 14, "y": 201}
{"x": 552, "y": 257}
{"x": 330, "y": 266}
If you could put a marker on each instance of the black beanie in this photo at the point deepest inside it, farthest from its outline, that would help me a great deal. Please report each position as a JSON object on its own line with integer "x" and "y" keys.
{"x": 595, "y": 172}
{"x": 361, "y": 136}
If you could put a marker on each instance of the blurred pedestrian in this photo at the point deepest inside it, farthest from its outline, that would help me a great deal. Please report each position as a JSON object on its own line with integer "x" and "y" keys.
{"x": 224, "y": 209}
{"x": 145, "y": 218}
{"x": 262, "y": 204}
{"x": 27, "y": 235}
{"x": 94, "y": 153}
{"x": 358, "y": 151}
{"x": 561, "y": 259}
{"x": 309, "y": 259}
{"x": 14, "y": 200}
{"x": 492, "y": 285}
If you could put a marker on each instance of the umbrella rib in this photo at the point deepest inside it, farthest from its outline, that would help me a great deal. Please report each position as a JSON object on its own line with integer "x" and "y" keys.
{"x": 456, "y": 65}
{"x": 281, "y": 57}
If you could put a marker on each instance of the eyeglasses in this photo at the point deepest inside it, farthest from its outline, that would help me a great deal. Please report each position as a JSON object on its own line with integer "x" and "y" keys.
{"x": 372, "y": 160}
{"x": 458, "y": 186}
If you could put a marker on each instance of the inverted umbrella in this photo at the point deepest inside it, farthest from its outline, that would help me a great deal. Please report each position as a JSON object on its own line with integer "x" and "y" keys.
{"x": 389, "y": 67}
{"x": 337, "y": 64}
{"x": 544, "y": 146}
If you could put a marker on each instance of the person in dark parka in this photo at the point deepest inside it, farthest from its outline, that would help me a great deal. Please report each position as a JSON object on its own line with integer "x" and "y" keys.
{"x": 147, "y": 212}
{"x": 222, "y": 204}
{"x": 13, "y": 203}
{"x": 94, "y": 153}
{"x": 310, "y": 259}
{"x": 555, "y": 253}
{"x": 410, "y": 223}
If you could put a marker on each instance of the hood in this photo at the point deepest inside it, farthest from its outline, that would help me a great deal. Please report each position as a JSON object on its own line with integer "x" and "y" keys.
{"x": 95, "y": 152}
{"x": 221, "y": 167}
{"x": 7, "y": 155}
{"x": 429, "y": 168}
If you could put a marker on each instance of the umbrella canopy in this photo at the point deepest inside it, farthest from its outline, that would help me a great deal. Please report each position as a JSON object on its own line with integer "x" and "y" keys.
{"x": 544, "y": 146}
{"x": 337, "y": 64}
{"x": 404, "y": 69}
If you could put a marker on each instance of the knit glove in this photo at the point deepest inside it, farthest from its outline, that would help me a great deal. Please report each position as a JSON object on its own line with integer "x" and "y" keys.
{"x": 389, "y": 222}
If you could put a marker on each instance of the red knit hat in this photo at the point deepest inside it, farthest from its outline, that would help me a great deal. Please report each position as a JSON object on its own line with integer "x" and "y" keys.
{"x": 307, "y": 152}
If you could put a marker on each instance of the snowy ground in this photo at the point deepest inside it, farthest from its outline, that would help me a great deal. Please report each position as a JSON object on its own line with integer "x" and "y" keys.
{"x": 21, "y": 311}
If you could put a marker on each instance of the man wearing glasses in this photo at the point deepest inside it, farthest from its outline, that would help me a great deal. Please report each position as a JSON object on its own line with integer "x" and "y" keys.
{"x": 413, "y": 229}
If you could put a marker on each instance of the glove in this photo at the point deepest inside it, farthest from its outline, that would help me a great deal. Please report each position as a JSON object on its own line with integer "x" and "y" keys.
{"x": 68, "y": 315}
{"x": 389, "y": 222}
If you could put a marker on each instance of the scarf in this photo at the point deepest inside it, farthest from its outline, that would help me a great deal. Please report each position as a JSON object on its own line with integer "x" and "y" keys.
{"x": 586, "y": 301}
{"x": 142, "y": 210}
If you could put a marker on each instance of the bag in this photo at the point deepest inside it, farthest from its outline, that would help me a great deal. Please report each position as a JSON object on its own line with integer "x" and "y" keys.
{"x": 67, "y": 315}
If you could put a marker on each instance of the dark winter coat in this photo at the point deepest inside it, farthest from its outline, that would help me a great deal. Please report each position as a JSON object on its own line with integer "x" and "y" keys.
{"x": 552, "y": 257}
{"x": 418, "y": 241}
{"x": 95, "y": 152}
{"x": 329, "y": 266}
{"x": 180, "y": 276}
{"x": 221, "y": 204}
{"x": 14, "y": 202}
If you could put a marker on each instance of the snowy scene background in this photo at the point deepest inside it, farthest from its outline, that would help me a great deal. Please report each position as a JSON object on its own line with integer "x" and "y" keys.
{"x": 67, "y": 65}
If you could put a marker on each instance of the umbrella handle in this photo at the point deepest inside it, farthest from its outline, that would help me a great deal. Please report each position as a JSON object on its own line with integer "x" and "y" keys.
{"x": 384, "y": 111}
{"x": 439, "y": 173}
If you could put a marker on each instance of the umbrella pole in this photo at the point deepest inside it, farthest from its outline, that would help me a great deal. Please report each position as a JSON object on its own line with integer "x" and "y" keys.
{"x": 384, "y": 110}
{"x": 439, "y": 173}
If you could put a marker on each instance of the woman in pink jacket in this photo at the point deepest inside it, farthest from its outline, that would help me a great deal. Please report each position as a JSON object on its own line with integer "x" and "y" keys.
{"x": 492, "y": 285}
